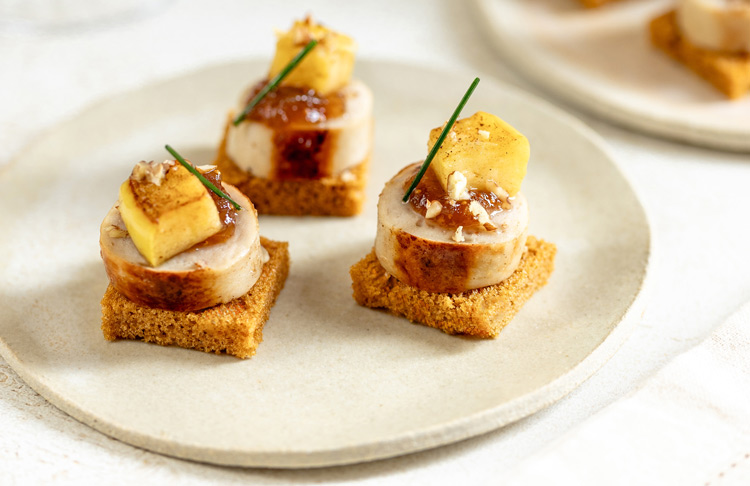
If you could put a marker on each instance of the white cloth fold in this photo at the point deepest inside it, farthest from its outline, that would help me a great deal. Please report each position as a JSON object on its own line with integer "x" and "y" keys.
{"x": 689, "y": 424}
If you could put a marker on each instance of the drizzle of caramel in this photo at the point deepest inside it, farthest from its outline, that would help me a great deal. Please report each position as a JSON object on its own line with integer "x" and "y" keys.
{"x": 227, "y": 213}
{"x": 454, "y": 213}
{"x": 303, "y": 154}
{"x": 292, "y": 106}
{"x": 301, "y": 149}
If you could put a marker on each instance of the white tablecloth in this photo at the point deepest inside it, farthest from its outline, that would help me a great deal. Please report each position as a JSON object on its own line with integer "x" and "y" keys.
{"x": 697, "y": 201}
{"x": 689, "y": 424}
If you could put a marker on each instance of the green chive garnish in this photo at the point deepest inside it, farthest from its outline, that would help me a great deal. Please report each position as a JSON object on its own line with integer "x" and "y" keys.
{"x": 200, "y": 177}
{"x": 441, "y": 138}
{"x": 275, "y": 81}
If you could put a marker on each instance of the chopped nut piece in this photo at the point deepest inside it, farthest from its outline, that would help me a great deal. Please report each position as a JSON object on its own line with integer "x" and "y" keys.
{"x": 498, "y": 191}
{"x": 457, "y": 186}
{"x": 301, "y": 37}
{"x": 458, "y": 236}
{"x": 115, "y": 231}
{"x": 152, "y": 172}
{"x": 481, "y": 214}
{"x": 433, "y": 209}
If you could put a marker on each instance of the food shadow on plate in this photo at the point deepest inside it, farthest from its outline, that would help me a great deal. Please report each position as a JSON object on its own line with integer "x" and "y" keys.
{"x": 318, "y": 296}
{"x": 58, "y": 327}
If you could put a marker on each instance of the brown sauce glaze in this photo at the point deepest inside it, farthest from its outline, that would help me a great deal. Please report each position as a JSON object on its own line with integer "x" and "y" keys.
{"x": 304, "y": 154}
{"x": 227, "y": 213}
{"x": 293, "y": 106}
{"x": 301, "y": 150}
{"x": 454, "y": 213}
{"x": 442, "y": 268}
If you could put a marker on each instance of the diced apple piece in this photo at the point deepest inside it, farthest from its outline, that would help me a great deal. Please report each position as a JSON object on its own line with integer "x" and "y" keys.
{"x": 486, "y": 150}
{"x": 166, "y": 210}
{"x": 327, "y": 68}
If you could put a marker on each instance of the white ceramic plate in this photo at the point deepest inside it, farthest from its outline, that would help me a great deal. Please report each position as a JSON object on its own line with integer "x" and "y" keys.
{"x": 601, "y": 60}
{"x": 332, "y": 382}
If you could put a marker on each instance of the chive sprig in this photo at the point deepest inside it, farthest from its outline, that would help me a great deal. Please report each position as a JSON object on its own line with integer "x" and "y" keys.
{"x": 200, "y": 177}
{"x": 441, "y": 138}
{"x": 275, "y": 81}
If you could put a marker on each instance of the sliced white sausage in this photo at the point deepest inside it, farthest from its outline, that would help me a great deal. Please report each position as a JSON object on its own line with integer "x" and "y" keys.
{"x": 720, "y": 25}
{"x": 195, "y": 279}
{"x": 251, "y": 144}
{"x": 422, "y": 254}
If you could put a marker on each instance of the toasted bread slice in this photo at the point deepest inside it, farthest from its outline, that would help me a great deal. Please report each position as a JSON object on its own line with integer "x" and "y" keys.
{"x": 234, "y": 328}
{"x": 481, "y": 312}
{"x": 728, "y": 72}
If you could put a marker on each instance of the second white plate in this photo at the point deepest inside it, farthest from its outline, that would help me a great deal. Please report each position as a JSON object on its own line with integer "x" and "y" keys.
{"x": 332, "y": 382}
{"x": 602, "y": 61}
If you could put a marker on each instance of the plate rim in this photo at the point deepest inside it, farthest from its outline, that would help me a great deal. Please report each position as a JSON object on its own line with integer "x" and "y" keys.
{"x": 647, "y": 122}
{"x": 406, "y": 443}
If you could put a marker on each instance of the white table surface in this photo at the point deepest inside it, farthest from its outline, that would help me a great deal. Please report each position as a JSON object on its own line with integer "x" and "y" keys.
{"x": 697, "y": 201}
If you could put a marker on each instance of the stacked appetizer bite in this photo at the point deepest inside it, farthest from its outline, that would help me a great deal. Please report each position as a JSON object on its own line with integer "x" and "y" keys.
{"x": 299, "y": 142}
{"x": 712, "y": 38}
{"x": 186, "y": 263}
{"x": 455, "y": 254}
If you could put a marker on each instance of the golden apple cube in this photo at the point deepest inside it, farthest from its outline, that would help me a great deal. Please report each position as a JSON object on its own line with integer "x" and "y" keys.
{"x": 168, "y": 217}
{"x": 326, "y": 68}
{"x": 486, "y": 150}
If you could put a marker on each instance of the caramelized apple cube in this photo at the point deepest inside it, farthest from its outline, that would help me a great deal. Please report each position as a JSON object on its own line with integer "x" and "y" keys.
{"x": 327, "y": 68}
{"x": 166, "y": 210}
{"x": 486, "y": 150}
